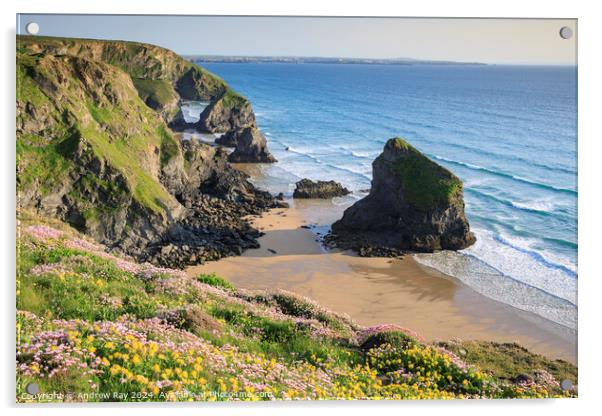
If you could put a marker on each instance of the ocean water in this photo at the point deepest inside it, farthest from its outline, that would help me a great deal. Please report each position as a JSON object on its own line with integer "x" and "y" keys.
{"x": 509, "y": 132}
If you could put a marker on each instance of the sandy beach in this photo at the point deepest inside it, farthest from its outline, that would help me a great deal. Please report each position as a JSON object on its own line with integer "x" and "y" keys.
{"x": 379, "y": 290}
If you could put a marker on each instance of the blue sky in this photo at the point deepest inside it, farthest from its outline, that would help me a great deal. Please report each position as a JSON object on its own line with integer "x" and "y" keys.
{"x": 505, "y": 41}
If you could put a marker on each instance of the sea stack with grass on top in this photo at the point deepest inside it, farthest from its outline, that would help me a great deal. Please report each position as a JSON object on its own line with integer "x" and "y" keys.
{"x": 414, "y": 204}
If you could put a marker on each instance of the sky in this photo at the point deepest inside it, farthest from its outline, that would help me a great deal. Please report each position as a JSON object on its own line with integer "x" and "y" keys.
{"x": 497, "y": 41}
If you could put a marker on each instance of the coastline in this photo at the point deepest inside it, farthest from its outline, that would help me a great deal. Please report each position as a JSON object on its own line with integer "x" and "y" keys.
{"x": 379, "y": 290}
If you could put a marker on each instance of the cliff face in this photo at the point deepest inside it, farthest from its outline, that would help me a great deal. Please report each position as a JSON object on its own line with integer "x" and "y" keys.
{"x": 413, "y": 204}
{"x": 230, "y": 112}
{"x": 91, "y": 152}
{"x": 160, "y": 76}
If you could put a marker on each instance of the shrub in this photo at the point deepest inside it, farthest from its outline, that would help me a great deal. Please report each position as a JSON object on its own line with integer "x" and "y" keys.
{"x": 215, "y": 281}
{"x": 395, "y": 338}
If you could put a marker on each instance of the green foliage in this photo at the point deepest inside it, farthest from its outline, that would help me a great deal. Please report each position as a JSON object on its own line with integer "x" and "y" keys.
{"x": 42, "y": 163}
{"x": 232, "y": 99}
{"x": 169, "y": 147}
{"x": 425, "y": 364}
{"x": 425, "y": 183}
{"x": 102, "y": 116}
{"x": 157, "y": 93}
{"x": 297, "y": 306}
{"x": 214, "y": 280}
{"x": 219, "y": 334}
{"x": 507, "y": 361}
{"x": 79, "y": 285}
{"x": 125, "y": 156}
{"x": 397, "y": 339}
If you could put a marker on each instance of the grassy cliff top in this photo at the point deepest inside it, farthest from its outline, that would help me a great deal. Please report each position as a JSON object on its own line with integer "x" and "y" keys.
{"x": 140, "y": 60}
{"x": 92, "y": 322}
{"x": 426, "y": 184}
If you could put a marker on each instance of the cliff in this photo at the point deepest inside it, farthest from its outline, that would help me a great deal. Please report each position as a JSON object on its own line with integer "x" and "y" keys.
{"x": 414, "y": 204}
{"x": 92, "y": 152}
{"x": 160, "y": 76}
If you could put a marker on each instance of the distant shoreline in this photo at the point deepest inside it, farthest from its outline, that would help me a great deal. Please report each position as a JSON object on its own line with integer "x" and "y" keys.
{"x": 319, "y": 60}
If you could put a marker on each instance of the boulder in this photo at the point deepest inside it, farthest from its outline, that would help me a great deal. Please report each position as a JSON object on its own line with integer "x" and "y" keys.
{"x": 414, "y": 204}
{"x": 306, "y": 188}
{"x": 251, "y": 148}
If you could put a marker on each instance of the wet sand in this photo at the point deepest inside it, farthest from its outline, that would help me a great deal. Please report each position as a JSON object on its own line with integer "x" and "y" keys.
{"x": 378, "y": 290}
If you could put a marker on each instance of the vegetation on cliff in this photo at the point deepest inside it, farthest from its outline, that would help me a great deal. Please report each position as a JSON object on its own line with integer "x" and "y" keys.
{"x": 70, "y": 109}
{"x": 98, "y": 327}
{"x": 94, "y": 150}
{"x": 425, "y": 184}
{"x": 160, "y": 76}
{"x": 413, "y": 204}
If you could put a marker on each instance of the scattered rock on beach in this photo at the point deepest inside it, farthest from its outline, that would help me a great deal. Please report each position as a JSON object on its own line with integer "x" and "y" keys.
{"x": 306, "y": 188}
{"x": 414, "y": 204}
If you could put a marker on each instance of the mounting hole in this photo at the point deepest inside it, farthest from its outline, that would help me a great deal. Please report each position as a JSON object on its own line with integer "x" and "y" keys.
{"x": 32, "y": 28}
{"x": 566, "y": 32}
{"x": 32, "y": 388}
{"x": 566, "y": 384}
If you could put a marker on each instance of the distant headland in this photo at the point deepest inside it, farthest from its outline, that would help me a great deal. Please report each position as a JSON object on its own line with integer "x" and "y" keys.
{"x": 319, "y": 60}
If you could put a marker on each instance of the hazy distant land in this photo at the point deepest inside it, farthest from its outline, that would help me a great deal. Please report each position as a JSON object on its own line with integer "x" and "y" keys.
{"x": 319, "y": 60}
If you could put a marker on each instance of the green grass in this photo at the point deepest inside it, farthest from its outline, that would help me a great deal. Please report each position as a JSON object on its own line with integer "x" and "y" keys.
{"x": 81, "y": 285}
{"x": 125, "y": 143}
{"x": 425, "y": 183}
{"x": 169, "y": 146}
{"x": 42, "y": 164}
{"x": 157, "y": 93}
{"x": 231, "y": 99}
{"x": 214, "y": 280}
{"x": 507, "y": 361}
{"x": 81, "y": 291}
{"x": 124, "y": 155}
{"x": 157, "y": 72}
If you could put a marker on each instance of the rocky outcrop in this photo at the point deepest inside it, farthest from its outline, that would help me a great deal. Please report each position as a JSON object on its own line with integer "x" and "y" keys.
{"x": 251, "y": 148}
{"x": 230, "y": 139}
{"x": 229, "y": 112}
{"x": 414, "y": 204}
{"x": 160, "y": 76}
{"x": 92, "y": 153}
{"x": 179, "y": 124}
{"x": 306, "y": 188}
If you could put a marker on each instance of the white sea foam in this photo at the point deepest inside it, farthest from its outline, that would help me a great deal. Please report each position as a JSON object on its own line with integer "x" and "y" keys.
{"x": 191, "y": 110}
{"x": 504, "y": 269}
{"x": 540, "y": 205}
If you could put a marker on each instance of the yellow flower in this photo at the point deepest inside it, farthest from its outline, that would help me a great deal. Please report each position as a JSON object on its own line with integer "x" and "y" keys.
{"x": 157, "y": 368}
{"x": 105, "y": 362}
{"x": 109, "y": 345}
{"x": 136, "y": 359}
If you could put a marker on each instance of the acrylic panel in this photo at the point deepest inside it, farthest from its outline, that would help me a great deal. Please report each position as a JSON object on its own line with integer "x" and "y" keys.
{"x": 287, "y": 208}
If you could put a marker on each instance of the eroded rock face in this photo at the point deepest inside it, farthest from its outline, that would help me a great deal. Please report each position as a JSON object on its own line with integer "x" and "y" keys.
{"x": 414, "y": 204}
{"x": 92, "y": 153}
{"x": 230, "y": 139}
{"x": 306, "y": 188}
{"x": 229, "y": 112}
{"x": 251, "y": 148}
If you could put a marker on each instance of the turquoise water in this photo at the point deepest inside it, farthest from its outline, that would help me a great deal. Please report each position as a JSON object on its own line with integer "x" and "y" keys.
{"x": 508, "y": 131}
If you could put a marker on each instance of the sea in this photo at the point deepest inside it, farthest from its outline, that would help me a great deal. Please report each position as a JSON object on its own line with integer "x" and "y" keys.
{"x": 509, "y": 132}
